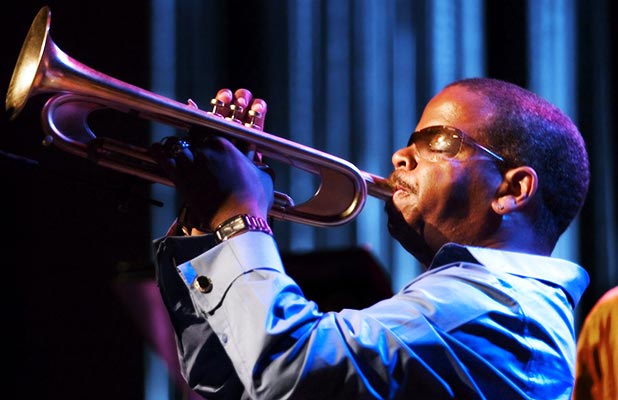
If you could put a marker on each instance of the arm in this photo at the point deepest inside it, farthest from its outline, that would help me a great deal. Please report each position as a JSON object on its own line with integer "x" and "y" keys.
{"x": 213, "y": 376}
{"x": 281, "y": 345}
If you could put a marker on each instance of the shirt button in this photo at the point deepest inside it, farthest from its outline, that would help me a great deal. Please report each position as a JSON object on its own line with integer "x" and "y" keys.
{"x": 223, "y": 338}
{"x": 203, "y": 284}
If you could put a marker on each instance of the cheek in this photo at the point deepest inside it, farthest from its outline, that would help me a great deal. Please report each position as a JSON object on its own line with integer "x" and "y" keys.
{"x": 442, "y": 194}
{"x": 469, "y": 199}
{"x": 459, "y": 196}
{"x": 447, "y": 195}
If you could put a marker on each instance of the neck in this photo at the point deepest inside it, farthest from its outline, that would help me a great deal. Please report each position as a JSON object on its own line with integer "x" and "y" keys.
{"x": 517, "y": 237}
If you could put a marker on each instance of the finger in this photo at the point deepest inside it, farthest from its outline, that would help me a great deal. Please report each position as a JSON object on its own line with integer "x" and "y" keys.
{"x": 221, "y": 103}
{"x": 183, "y": 156}
{"x": 161, "y": 156}
{"x": 225, "y": 95}
{"x": 211, "y": 142}
{"x": 173, "y": 155}
{"x": 177, "y": 148}
{"x": 242, "y": 100}
{"x": 256, "y": 117}
{"x": 216, "y": 148}
{"x": 256, "y": 120}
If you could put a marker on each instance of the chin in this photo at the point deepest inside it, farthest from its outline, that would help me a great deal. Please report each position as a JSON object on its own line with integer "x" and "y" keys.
{"x": 402, "y": 199}
{"x": 413, "y": 242}
{"x": 398, "y": 227}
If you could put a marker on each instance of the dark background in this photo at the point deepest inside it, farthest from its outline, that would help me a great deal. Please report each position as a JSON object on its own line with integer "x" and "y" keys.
{"x": 74, "y": 234}
{"x": 71, "y": 230}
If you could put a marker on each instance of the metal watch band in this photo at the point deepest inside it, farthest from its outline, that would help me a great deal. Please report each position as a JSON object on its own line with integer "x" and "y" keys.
{"x": 238, "y": 224}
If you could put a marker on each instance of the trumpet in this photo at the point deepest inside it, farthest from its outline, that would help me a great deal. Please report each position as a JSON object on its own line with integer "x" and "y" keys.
{"x": 78, "y": 91}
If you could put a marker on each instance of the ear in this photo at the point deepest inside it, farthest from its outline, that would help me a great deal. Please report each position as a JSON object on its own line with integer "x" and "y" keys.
{"x": 517, "y": 188}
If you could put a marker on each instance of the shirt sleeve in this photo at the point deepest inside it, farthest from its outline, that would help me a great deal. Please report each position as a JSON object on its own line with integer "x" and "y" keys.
{"x": 203, "y": 362}
{"x": 281, "y": 345}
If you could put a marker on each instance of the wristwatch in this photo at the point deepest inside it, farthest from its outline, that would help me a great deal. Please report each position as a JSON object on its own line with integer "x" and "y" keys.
{"x": 239, "y": 224}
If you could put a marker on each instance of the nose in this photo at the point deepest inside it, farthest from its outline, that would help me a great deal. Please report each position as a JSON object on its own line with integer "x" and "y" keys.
{"x": 405, "y": 158}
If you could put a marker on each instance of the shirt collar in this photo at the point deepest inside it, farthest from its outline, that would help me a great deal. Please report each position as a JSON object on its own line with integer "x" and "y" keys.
{"x": 568, "y": 275}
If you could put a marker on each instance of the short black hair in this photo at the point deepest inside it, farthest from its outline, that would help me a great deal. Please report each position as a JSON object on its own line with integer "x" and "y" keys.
{"x": 529, "y": 130}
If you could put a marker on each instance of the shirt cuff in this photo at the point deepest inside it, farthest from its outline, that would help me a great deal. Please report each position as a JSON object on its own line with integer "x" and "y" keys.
{"x": 210, "y": 275}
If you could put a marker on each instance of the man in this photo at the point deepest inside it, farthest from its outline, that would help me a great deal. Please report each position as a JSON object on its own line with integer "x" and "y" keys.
{"x": 488, "y": 182}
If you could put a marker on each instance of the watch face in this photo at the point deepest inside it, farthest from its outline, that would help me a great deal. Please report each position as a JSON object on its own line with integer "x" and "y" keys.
{"x": 239, "y": 224}
{"x": 231, "y": 227}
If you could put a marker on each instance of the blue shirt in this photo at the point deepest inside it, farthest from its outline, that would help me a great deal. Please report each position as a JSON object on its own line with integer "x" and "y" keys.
{"x": 478, "y": 324}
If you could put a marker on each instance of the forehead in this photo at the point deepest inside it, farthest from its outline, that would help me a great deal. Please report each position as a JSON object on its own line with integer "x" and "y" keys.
{"x": 459, "y": 107}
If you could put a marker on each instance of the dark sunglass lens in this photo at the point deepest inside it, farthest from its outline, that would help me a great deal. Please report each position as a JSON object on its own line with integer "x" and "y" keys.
{"x": 444, "y": 143}
{"x": 438, "y": 143}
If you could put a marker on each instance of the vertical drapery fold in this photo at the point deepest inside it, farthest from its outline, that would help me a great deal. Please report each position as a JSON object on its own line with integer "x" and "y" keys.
{"x": 552, "y": 74}
{"x": 597, "y": 111}
{"x": 303, "y": 28}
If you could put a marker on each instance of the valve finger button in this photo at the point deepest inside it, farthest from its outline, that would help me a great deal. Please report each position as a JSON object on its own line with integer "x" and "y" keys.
{"x": 236, "y": 111}
{"x": 217, "y": 105}
{"x": 253, "y": 116}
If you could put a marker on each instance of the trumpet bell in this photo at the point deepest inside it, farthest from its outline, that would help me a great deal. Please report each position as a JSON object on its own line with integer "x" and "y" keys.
{"x": 26, "y": 70}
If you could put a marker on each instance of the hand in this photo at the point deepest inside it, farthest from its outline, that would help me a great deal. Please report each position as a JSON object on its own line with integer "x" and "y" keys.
{"x": 216, "y": 179}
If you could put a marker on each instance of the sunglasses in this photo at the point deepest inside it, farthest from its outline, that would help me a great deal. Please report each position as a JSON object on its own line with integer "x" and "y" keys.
{"x": 443, "y": 142}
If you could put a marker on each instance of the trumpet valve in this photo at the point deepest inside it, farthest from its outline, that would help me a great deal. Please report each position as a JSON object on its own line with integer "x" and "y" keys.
{"x": 216, "y": 105}
{"x": 253, "y": 115}
{"x": 235, "y": 112}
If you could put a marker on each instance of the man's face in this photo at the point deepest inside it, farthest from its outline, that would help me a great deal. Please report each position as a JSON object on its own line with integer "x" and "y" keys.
{"x": 440, "y": 201}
